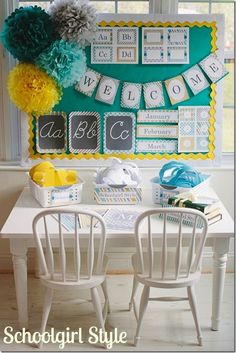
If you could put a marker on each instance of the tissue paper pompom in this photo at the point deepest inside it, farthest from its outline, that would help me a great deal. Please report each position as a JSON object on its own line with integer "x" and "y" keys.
{"x": 75, "y": 20}
{"x": 27, "y": 32}
{"x": 64, "y": 61}
{"x": 32, "y": 90}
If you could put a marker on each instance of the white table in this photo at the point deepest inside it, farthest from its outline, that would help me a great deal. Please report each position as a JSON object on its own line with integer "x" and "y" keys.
{"x": 18, "y": 229}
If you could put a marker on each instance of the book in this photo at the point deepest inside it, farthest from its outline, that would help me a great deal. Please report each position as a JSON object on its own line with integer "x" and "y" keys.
{"x": 203, "y": 204}
{"x": 215, "y": 219}
{"x": 212, "y": 214}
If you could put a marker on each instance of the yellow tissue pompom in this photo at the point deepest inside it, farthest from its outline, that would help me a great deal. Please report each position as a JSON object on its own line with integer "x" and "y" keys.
{"x": 32, "y": 90}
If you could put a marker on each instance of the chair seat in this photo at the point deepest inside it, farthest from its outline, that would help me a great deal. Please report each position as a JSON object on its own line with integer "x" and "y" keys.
{"x": 156, "y": 281}
{"x": 83, "y": 283}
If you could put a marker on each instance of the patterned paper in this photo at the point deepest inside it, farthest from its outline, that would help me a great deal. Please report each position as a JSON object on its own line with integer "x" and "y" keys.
{"x": 165, "y": 45}
{"x": 176, "y": 89}
{"x": 88, "y": 82}
{"x": 157, "y": 116}
{"x": 177, "y": 55}
{"x": 195, "y": 79}
{"x": 213, "y": 67}
{"x": 158, "y": 131}
{"x": 131, "y": 95}
{"x": 153, "y": 94}
{"x": 107, "y": 89}
{"x": 115, "y": 46}
{"x": 157, "y": 146}
{"x": 194, "y": 129}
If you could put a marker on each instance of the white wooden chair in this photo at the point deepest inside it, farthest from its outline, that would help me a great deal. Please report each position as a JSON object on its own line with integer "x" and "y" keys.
{"x": 61, "y": 279}
{"x": 151, "y": 265}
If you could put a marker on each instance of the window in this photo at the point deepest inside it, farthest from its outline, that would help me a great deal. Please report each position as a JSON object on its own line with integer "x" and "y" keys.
{"x": 227, "y": 8}
{"x": 105, "y": 6}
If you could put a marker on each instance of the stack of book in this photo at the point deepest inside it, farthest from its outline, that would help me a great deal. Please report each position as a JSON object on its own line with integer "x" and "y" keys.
{"x": 207, "y": 205}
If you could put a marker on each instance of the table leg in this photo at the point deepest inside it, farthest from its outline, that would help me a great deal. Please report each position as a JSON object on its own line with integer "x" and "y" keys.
{"x": 19, "y": 249}
{"x": 221, "y": 249}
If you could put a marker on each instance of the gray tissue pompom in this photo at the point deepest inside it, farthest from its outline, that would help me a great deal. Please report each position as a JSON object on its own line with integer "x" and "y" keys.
{"x": 75, "y": 20}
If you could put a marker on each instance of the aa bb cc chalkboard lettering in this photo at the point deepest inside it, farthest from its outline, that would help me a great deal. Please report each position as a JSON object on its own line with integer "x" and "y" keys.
{"x": 119, "y": 132}
{"x": 84, "y": 132}
{"x": 51, "y": 133}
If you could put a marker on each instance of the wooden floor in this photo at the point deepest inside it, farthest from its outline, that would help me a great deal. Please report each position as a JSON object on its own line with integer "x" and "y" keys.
{"x": 166, "y": 326}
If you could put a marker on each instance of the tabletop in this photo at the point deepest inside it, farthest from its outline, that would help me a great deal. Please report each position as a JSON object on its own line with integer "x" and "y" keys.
{"x": 19, "y": 222}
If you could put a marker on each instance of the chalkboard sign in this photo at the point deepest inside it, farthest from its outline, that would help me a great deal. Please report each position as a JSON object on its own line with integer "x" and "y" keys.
{"x": 84, "y": 132}
{"x": 119, "y": 132}
{"x": 51, "y": 133}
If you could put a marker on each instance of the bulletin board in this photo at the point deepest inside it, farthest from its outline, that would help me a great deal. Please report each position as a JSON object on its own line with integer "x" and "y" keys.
{"x": 204, "y": 34}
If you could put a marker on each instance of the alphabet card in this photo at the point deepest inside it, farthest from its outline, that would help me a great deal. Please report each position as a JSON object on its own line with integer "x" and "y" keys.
{"x": 153, "y": 95}
{"x": 213, "y": 67}
{"x": 131, "y": 95}
{"x": 194, "y": 129}
{"x": 107, "y": 89}
{"x": 176, "y": 89}
{"x": 88, "y": 82}
{"x": 51, "y": 133}
{"x": 119, "y": 132}
{"x": 115, "y": 46}
{"x": 84, "y": 132}
{"x": 165, "y": 45}
{"x": 195, "y": 79}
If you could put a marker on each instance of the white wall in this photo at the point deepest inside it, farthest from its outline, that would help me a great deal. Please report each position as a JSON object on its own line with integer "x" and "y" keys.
{"x": 13, "y": 180}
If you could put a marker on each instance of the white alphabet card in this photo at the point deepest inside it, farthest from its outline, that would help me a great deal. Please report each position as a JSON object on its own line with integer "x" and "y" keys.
{"x": 88, "y": 82}
{"x": 213, "y": 67}
{"x": 165, "y": 45}
{"x": 131, "y": 95}
{"x": 84, "y": 132}
{"x": 195, "y": 79}
{"x": 115, "y": 46}
{"x": 51, "y": 133}
{"x": 119, "y": 132}
{"x": 107, "y": 90}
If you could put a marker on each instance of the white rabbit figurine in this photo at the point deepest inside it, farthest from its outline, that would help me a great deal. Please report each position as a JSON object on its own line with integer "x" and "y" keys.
{"x": 119, "y": 173}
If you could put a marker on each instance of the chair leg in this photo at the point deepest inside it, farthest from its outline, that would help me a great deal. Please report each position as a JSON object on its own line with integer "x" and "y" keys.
{"x": 193, "y": 306}
{"x": 134, "y": 289}
{"x": 142, "y": 309}
{"x": 97, "y": 307}
{"x": 46, "y": 310}
{"x": 105, "y": 292}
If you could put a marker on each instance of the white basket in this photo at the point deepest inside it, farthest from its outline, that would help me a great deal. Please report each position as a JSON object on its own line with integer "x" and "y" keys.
{"x": 161, "y": 193}
{"x": 57, "y": 196}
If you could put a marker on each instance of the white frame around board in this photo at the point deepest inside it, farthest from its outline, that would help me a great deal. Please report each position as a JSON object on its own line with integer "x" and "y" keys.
{"x": 219, "y": 19}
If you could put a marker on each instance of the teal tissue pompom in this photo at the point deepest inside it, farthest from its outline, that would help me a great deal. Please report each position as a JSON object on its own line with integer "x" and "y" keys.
{"x": 27, "y": 32}
{"x": 64, "y": 61}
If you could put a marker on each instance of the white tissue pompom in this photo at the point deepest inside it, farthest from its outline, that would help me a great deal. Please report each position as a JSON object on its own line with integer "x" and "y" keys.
{"x": 75, "y": 20}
